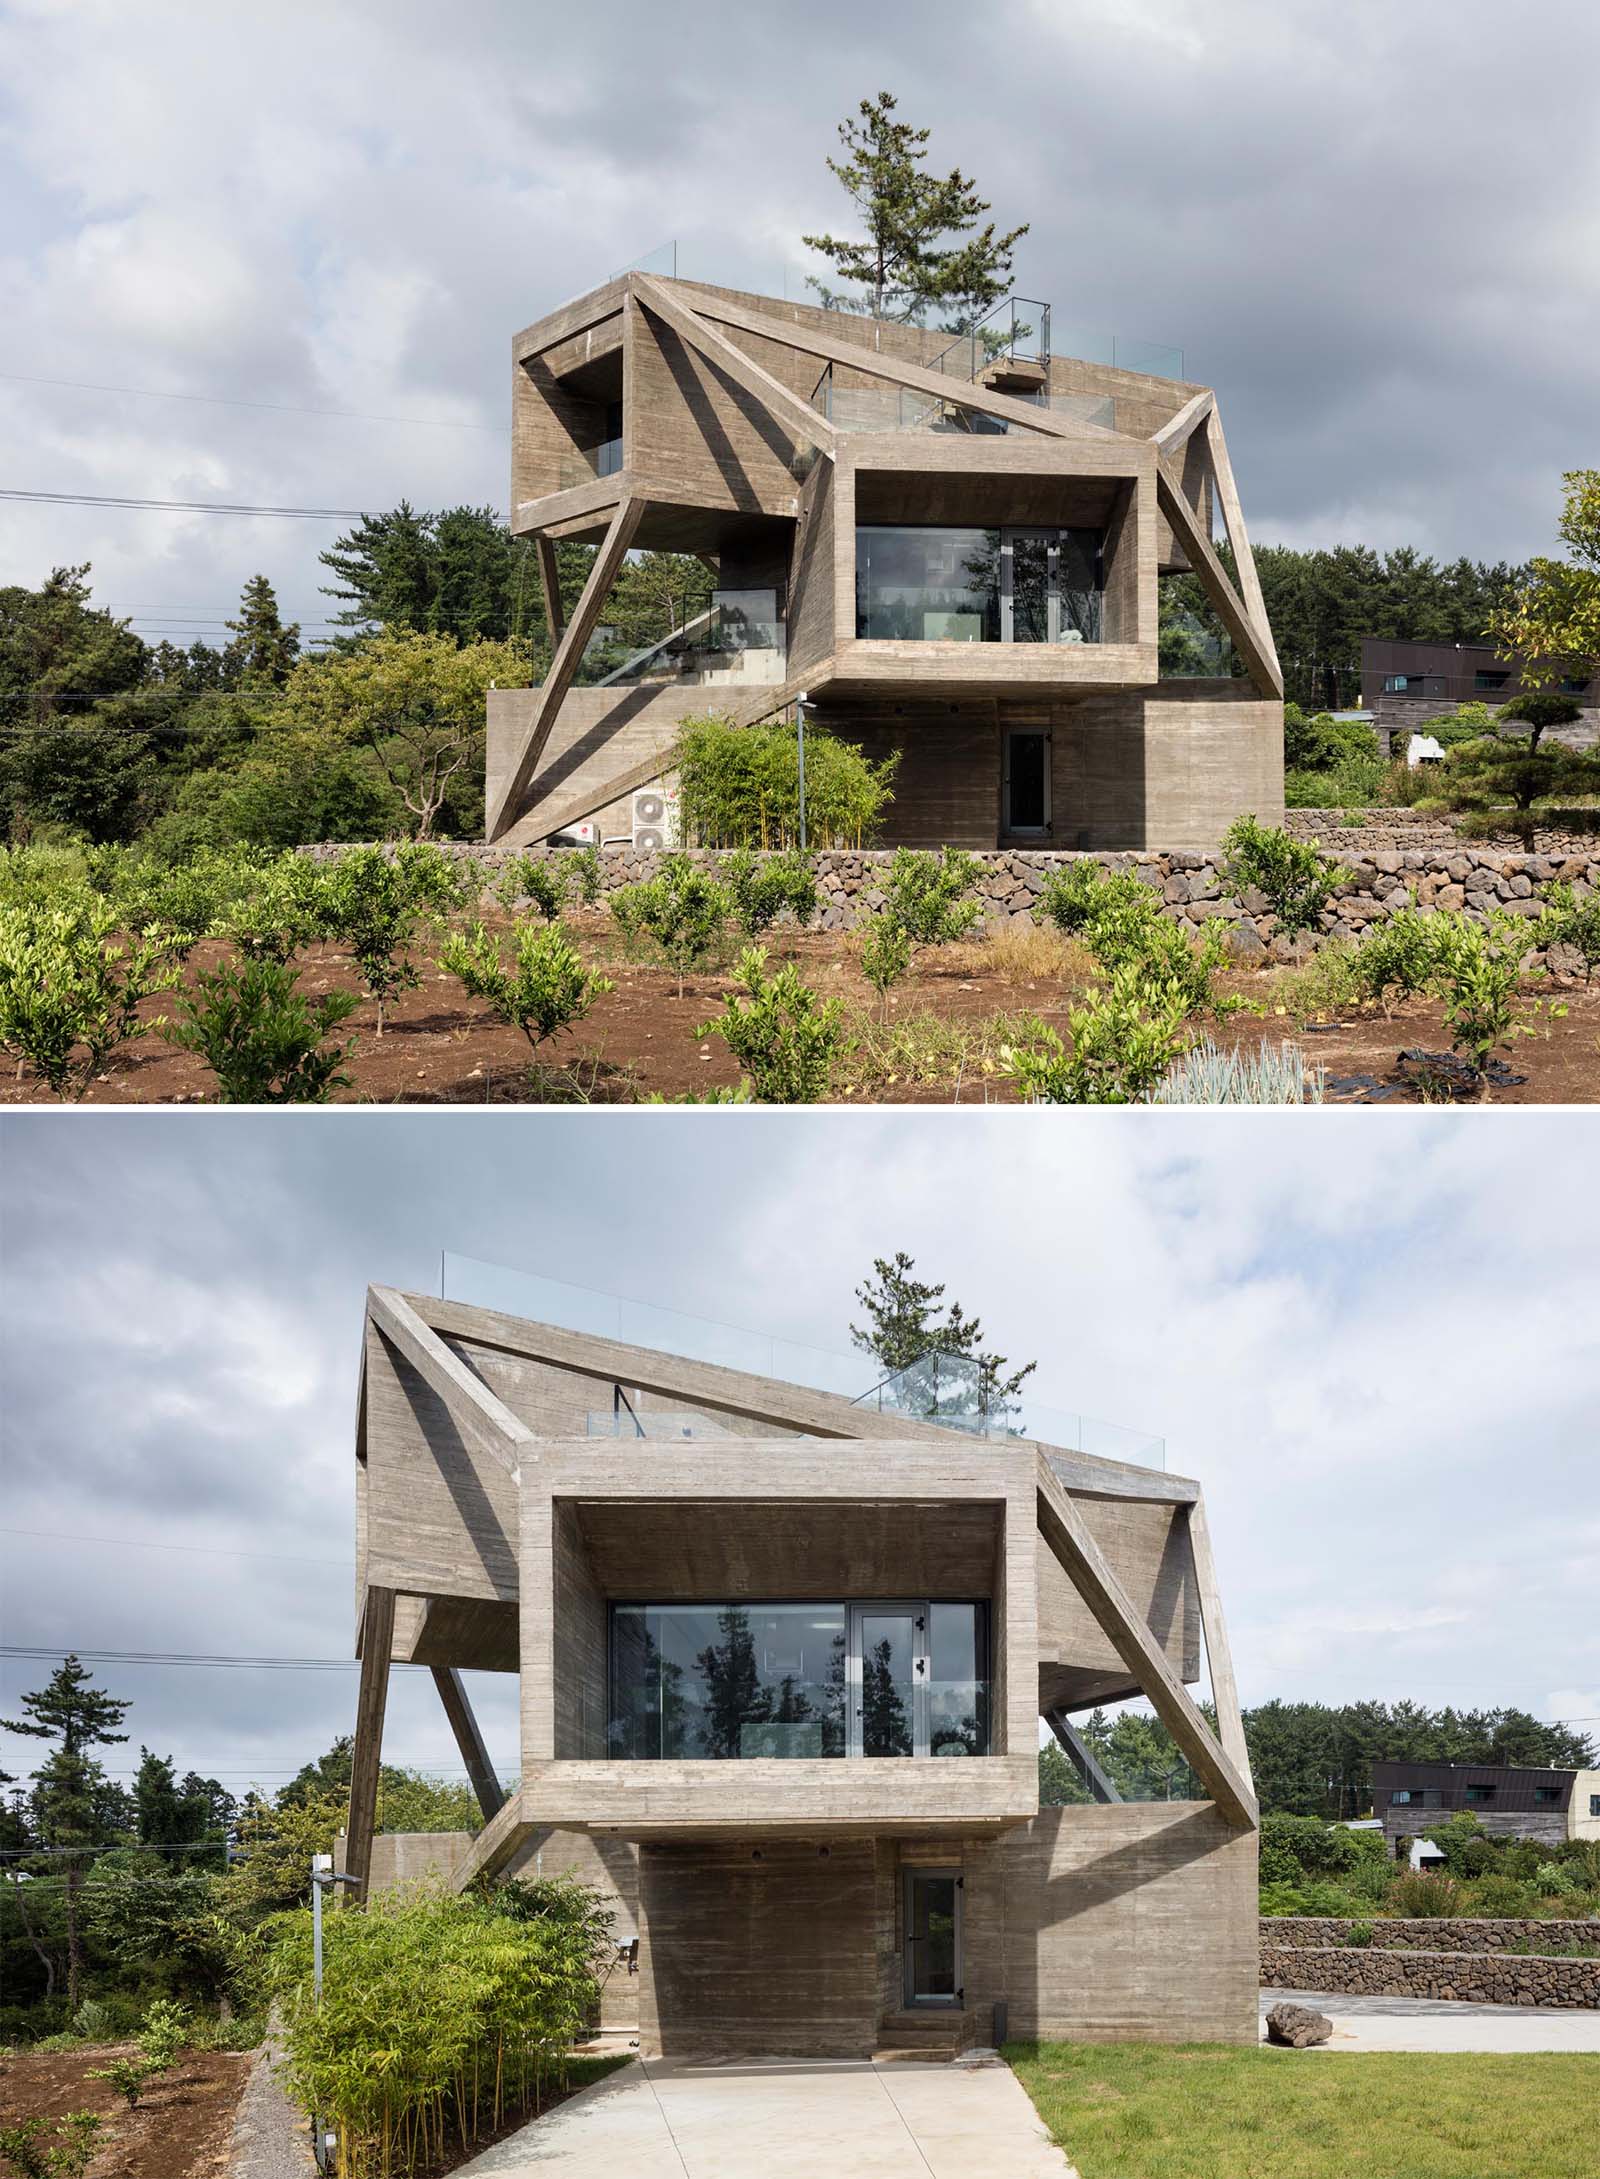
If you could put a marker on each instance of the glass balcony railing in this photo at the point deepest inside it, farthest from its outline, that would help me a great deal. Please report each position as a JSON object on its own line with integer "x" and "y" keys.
{"x": 739, "y": 637}
{"x": 854, "y": 1377}
{"x": 1015, "y": 332}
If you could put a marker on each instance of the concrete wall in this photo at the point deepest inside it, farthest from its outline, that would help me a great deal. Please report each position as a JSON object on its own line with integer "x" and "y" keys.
{"x": 1581, "y": 1825}
{"x": 762, "y": 1949}
{"x": 1133, "y": 1922}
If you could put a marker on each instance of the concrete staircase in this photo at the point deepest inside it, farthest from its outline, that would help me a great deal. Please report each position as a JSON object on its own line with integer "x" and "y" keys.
{"x": 932, "y": 2035}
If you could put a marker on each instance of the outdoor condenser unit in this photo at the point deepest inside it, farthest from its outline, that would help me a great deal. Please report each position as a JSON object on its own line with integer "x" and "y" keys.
{"x": 655, "y": 818}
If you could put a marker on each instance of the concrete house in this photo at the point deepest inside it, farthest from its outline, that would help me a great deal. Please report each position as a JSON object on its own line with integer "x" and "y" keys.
{"x": 950, "y": 546}
{"x": 782, "y": 1659}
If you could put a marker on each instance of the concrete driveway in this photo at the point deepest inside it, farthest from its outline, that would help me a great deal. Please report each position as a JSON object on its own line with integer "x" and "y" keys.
{"x": 1426, "y": 2023}
{"x": 786, "y": 2119}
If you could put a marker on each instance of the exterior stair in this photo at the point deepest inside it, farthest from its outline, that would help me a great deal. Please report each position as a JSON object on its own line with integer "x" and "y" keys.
{"x": 932, "y": 2035}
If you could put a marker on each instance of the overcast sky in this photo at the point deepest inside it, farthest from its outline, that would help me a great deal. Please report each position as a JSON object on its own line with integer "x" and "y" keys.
{"x": 1375, "y": 228}
{"x": 1374, "y": 1341}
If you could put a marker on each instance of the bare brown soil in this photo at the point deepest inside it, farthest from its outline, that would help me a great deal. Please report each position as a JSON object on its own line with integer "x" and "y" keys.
{"x": 181, "y": 2128}
{"x": 441, "y": 1048}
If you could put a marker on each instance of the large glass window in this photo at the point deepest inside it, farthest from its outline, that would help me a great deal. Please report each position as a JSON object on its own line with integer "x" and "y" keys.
{"x": 720, "y": 1682}
{"x": 932, "y": 584}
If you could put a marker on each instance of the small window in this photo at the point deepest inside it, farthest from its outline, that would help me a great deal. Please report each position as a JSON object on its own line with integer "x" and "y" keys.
{"x": 1394, "y": 684}
{"x": 1572, "y": 686}
{"x": 1594, "y": 1804}
{"x": 1479, "y": 1794}
{"x": 1483, "y": 679}
{"x": 1401, "y": 1798}
{"x": 1547, "y": 1796}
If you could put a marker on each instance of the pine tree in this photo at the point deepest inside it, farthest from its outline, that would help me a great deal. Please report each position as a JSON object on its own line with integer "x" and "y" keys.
{"x": 71, "y": 1800}
{"x": 912, "y": 256}
{"x": 904, "y": 1324}
{"x": 264, "y": 646}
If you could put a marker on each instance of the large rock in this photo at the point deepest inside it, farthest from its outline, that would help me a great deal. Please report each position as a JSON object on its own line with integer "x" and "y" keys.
{"x": 1297, "y": 2026}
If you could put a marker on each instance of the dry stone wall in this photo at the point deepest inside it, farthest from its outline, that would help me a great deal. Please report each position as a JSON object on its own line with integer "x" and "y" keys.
{"x": 1476, "y": 880}
{"x": 1478, "y": 1960}
{"x": 1477, "y": 1978}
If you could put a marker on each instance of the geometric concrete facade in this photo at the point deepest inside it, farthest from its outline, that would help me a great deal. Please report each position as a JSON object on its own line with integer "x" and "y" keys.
{"x": 954, "y": 560}
{"x": 801, "y": 1897}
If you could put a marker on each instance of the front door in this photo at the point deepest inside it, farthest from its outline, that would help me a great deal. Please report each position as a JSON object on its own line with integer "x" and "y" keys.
{"x": 932, "y": 1952}
{"x": 1026, "y": 798}
{"x": 1030, "y": 604}
{"x": 887, "y": 1675}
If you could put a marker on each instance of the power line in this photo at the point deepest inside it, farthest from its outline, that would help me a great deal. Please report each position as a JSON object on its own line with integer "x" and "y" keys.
{"x": 182, "y": 506}
{"x": 275, "y": 408}
{"x": 177, "y": 1657}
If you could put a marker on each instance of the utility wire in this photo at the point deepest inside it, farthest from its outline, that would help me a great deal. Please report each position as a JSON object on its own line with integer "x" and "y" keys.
{"x": 206, "y": 1550}
{"x": 176, "y": 1657}
{"x": 275, "y": 408}
{"x": 182, "y": 506}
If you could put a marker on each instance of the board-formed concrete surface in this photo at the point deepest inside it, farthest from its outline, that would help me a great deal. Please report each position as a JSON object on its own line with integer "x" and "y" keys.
{"x": 1426, "y": 2023}
{"x": 786, "y": 2119}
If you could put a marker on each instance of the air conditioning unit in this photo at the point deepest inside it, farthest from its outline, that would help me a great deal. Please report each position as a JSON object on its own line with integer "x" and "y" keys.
{"x": 586, "y": 834}
{"x": 655, "y": 819}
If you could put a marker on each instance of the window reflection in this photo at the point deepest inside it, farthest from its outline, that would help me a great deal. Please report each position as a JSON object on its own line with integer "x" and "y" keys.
{"x": 931, "y": 583}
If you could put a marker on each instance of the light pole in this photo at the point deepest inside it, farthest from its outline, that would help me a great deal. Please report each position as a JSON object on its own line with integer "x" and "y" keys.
{"x": 800, "y": 740}
{"x": 323, "y": 1879}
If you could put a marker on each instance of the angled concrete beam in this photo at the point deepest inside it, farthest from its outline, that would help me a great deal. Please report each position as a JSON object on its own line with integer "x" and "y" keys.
{"x": 486, "y": 1422}
{"x": 1121, "y": 1479}
{"x": 372, "y": 1697}
{"x": 453, "y": 1694}
{"x": 569, "y": 651}
{"x": 1063, "y": 1529}
{"x": 550, "y": 584}
{"x": 778, "y": 399}
{"x": 1176, "y": 431}
{"x": 496, "y": 1844}
{"x": 1224, "y": 1688}
{"x": 1081, "y": 1756}
{"x": 1233, "y": 516}
{"x": 873, "y": 364}
{"x": 1254, "y": 647}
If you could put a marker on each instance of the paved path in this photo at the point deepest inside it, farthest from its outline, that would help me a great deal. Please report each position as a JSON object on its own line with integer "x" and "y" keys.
{"x": 786, "y": 2119}
{"x": 271, "y": 2139}
{"x": 1439, "y": 2023}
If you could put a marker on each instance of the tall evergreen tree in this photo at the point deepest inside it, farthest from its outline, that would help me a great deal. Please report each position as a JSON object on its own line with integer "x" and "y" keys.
{"x": 265, "y": 646}
{"x": 904, "y": 1324}
{"x": 70, "y": 1798}
{"x": 923, "y": 246}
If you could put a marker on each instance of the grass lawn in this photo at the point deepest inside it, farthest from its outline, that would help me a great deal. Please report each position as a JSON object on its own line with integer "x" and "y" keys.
{"x": 1206, "y": 2111}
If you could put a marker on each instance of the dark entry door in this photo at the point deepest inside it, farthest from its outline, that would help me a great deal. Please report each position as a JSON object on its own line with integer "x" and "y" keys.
{"x": 933, "y": 1937}
{"x": 1027, "y": 780}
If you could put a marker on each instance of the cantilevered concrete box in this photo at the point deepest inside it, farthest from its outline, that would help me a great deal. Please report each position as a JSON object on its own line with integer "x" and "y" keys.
{"x": 804, "y": 1877}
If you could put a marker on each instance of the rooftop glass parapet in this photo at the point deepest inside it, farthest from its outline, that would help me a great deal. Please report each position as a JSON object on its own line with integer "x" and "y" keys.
{"x": 942, "y": 1389}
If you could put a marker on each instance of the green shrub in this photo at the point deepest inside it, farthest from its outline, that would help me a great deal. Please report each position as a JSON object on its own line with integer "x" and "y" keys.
{"x": 1478, "y": 973}
{"x": 1424, "y": 1895}
{"x": 586, "y": 876}
{"x": 739, "y": 786}
{"x": 373, "y": 902}
{"x": 1325, "y": 983}
{"x": 932, "y": 897}
{"x": 1401, "y": 956}
{"x": 682, "y": 912}
{"x": 181, "y": 903}
{"x": 1458, "y": 1839}
{"x": 783, "y": 1036}
{"x": 92, "y": 2021}
{"x": 128, "y": 2076}
{"x": 1359, "y": 1933}
{"x": 761, "y": 890}
{"x": 36, "y": 875}
{"x": 885, "y": 957}
{"x": 163, "y": 2033}
{"x": 537, "y": 879}
{"x": 69, "y": 996}
{"x": 29, "y": 2146}
{"x": 1296, "y": 879}
{"x": 260, "y": 1035}
{"x": 546, "y": 987}
{"x": 1293, "y": 1847}
{"x": 1109, "y": 912}
{"x": 441, "y": 2018}
{"x": 1569, "y": 921}
{"x": 1125, "y": 1036}
{"x": 282, "y": 909}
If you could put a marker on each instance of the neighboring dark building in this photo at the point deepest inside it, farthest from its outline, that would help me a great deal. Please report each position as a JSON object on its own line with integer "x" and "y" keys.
{"x": 1517, "y": 1803}
{"x": 1405, "y": 683}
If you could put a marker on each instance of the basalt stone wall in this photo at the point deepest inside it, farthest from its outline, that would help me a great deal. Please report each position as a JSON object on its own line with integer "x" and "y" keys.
{"x": 1349, "y": 832}
{"x": 1462, "y": 1933}
{"x": 1475, "y": 1977}
{"x": 1010, "y": 881}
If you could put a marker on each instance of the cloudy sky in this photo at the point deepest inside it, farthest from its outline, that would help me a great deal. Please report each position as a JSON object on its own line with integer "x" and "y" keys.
{"x": 1375, "y": 228}
{"x": 1373, "y": 1340}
